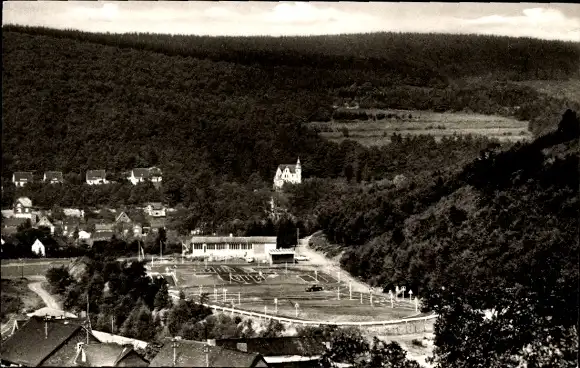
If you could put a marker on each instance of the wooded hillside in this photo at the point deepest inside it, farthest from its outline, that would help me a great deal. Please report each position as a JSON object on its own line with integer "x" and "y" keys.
{"x": 229, "y": 107}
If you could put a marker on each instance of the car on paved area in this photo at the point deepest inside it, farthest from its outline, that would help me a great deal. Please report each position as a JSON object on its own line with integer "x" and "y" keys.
{"x": 314, "y": 288}
{"x": 301, "y": 258}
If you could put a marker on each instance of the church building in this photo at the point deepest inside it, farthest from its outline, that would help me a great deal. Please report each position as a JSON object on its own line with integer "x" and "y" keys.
{"x": 288, "y": 174}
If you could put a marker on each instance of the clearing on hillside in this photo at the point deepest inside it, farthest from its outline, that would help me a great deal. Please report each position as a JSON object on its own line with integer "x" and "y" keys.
{"x": 383, "y": 123}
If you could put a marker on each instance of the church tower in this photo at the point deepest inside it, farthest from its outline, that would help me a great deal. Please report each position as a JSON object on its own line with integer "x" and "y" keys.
{"x": 298, "y": 171}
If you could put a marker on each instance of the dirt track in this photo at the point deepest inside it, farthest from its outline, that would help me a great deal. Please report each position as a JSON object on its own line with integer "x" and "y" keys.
{"x": 48, "y": 299}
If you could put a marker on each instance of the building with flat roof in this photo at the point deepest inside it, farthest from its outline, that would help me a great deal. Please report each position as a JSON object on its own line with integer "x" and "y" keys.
{"x": 224, "y": 247}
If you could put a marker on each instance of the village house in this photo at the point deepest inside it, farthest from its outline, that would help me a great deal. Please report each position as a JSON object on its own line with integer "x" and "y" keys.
{"x": 23, "y": 208}
{"x": 53, "y": 177}
{"x": 70, "y": 225}
{"x": 43, "y": 342}
{"x": 107, "y": 355}
{"x": 45, "y": 222}
{"x": 139, "y": 175}
{"x": 187, "y": 353}
{"x": 281, "y": 351}
{"x": 22, "y": 178}
{"x": 96, "y": 177}
{"x": 38, "y": 248}
{"x": 155, "y": 209}
{"x": 288, "y": 174}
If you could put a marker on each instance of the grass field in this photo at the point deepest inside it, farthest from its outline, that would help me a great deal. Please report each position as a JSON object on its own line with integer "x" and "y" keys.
{"x": 378, "y": 132}
{"x": 30, "y": 267}
{"x": 253, "y": 288}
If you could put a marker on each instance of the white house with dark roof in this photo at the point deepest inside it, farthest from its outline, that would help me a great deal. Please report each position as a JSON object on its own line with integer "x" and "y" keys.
{"x": 96, "y": 177}
{"x": 22, "y": 178}
{"x": 52, "y": 177}
{"x": 139, "y": 175}
{"x": 288, "y": 174}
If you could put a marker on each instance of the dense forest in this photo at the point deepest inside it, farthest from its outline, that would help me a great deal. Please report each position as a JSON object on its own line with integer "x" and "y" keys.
{"x": 499, "y": 235}
{"x": 225, "y": 108}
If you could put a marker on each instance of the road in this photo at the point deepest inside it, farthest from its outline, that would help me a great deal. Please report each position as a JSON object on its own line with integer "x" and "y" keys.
{"x": 48, "y": 299}
{"x": 318, "y": 258}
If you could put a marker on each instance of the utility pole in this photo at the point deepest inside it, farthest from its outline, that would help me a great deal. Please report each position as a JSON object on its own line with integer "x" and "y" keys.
{"x": 88, "y": 319}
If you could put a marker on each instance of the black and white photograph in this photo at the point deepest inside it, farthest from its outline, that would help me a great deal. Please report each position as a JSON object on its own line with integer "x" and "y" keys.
{"x": 290, "y": 184}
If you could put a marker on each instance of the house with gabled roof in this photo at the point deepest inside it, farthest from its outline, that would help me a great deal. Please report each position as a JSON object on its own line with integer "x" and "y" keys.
{"x": 43, "y": 221}
{"x": 21, "y": 178}
{"x": 187, "y": 353}
{"x": 288, "y": 174}
{"x": 10, "y": 225}
{"x": 139, "y": 175}
{"x": 44, "y": 342}
{"x": 53, "y": 177}
{"x": 22, "y": 208}
{"x": 107, "y": 355}
{"x": 96, "y": 177}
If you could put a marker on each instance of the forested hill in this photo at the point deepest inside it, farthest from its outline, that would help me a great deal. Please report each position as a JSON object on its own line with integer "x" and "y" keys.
{"x": 499, "y": 236}
{"x": 230, "y": 107}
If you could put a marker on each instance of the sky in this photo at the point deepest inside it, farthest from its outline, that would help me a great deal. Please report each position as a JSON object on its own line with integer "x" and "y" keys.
{"x": 546, "y": 21}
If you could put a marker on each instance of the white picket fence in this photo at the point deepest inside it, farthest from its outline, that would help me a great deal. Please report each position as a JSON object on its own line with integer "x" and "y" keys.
{"x": 319, "y": 323}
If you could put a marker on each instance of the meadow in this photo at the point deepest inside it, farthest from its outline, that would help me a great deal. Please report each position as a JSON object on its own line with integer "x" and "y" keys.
{"x": 378, "y": 131}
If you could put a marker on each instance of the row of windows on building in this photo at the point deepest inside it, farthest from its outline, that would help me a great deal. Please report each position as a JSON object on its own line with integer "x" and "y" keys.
{"x": 223, "y": 246}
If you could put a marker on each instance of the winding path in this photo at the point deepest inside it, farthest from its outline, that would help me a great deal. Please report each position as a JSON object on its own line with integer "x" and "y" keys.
{"x": 48, "y": 299}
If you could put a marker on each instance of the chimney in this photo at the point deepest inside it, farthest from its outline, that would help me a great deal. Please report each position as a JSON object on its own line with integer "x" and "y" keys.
{"x": 242, "y": 346}
{"x": 211, "y": 342}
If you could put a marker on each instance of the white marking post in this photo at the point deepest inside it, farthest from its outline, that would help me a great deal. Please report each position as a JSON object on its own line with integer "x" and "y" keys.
{"x": 391, "y": 297}
{"x": 215, "y": 294}
{"x": 225, "y": 290}
{"x": 339, "y": 276}
{"x": 200, "y": 290}
{"x": 361, "y": 301}
{"x": 276, "y": 305}
{"x": 230, "y": 277}
{"x": 416, "y": 304}
{"x": 296, "y": 307}
{"x": 410, "y": 295}
{"x": 239, "y": 298}
{"x": 338, "y": 292}
{"x": 316, "y": 275}
{"x": 350, "y": 290}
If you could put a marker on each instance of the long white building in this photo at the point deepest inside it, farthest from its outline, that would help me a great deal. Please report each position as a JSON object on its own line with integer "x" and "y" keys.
{"x": 258, "y": 247}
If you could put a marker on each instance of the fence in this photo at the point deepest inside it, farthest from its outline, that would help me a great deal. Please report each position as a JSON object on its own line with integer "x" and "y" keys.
{"x": 411, "y": 321}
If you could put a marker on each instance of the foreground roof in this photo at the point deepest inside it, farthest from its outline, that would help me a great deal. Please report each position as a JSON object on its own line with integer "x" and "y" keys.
{"x": 102, "y": 355}
{"x": 29, "y": 346}
{"x": 191, "y": 354}
{"x": 278, "y": 346}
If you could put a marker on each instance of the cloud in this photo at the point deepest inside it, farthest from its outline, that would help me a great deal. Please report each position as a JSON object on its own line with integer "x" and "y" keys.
{"x": 298, "y": 18}
{"x": 532, "y": 22}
